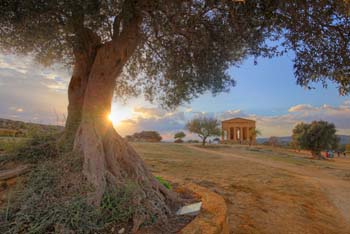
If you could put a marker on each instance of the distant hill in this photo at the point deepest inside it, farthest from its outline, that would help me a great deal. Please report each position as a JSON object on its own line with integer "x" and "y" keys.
{"x": 344, "y": 139}
{"x": 19, "y": 128}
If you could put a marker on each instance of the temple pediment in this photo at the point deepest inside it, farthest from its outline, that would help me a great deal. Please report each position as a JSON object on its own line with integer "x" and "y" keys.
{"x": 238, "y": 120}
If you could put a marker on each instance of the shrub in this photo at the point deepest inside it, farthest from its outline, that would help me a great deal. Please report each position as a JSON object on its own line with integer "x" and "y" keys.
{"x": 178, "y": 141}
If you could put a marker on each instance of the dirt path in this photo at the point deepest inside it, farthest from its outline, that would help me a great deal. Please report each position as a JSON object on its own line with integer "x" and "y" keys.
{"x": 337, "y": 191}
{"x": 263, "y": 195}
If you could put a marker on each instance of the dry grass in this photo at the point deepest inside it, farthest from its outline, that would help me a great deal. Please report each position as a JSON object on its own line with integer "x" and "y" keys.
{"x": 267, "y": 191}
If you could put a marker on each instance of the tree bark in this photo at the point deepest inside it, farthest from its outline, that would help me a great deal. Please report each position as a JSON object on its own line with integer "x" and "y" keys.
{"x": 84, "y": 57}
{"x": 203, "y": 141}
{"x": 108, "y": 159}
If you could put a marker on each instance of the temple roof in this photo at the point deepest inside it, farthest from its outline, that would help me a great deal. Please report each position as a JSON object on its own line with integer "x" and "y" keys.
{"x": 238, "y": 120}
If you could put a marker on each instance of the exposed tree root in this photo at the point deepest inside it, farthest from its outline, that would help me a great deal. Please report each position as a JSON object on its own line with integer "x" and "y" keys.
{"x": 110, "y": 161}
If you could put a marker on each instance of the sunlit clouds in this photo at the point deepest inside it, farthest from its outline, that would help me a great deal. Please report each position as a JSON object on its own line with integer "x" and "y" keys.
{"x": 33, "y": 93}
{"x": 167, "y": 123}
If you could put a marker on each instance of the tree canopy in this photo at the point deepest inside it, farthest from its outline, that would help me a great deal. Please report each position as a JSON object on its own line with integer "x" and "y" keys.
{"x": 185, "y": 47}
{"x": 316, "y": 136}
{"x": 179, "y": 135}
{"x": 204, "y": 127}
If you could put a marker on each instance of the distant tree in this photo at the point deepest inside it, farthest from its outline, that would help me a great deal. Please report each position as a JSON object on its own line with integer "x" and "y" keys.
{"x": 316, "y": 136}
{"x": 253, "y": 134}
{"x": 178, "y": 137}
{"x": 273, "y": 141}
{"x": 148, "y": 136}
{"x": 193, "y": 141}
{"x": 204, "y": 127}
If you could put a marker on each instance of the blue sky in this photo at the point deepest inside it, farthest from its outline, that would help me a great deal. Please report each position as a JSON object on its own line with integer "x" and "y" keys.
{"x": 267, "y": 89}
{"x": 266, "y": 92}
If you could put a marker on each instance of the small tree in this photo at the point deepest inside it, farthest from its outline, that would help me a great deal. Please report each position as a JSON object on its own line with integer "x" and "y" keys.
{"x": 273, "y": 141}
{"x": 204, "y": 127}
{"x": 253, "y": 134}
{"x": 317, "y": 136}
{"x": 178, "y": 137}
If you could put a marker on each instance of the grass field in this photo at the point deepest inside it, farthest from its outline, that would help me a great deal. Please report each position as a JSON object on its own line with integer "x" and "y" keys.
{"x": 267, "y": 190}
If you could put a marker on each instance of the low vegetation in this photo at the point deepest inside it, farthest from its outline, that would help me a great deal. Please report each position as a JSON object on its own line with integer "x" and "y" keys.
{"x": 53, "y": 197}
{"x": 145, "y": 136}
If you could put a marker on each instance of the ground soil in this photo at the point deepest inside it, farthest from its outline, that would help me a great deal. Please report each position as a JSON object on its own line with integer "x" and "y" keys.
{"x": 267, "y": 190}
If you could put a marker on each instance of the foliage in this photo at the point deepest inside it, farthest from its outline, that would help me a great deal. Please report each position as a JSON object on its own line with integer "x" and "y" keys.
{"x": 164, "y": 182}
{"x": 150, "y": 136}
{"x": 273, "y": 141}
{"x": 204, "y": 127}
{"x": 193, "y": 141}
{"x": 183, "y": 53}
{"x": 316, "y": 136}
{"x": 179, "y": 135}
{"x": 255, "y": 132}
{"x": 178, "y": 141}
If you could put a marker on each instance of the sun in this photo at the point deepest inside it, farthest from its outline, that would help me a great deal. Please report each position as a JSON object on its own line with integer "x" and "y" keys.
{"x": 119, "y": 114}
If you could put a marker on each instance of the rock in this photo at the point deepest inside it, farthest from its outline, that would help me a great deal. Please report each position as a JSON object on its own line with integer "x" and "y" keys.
{"x": 192, "y": 209}
{"x": 121, "y": 231}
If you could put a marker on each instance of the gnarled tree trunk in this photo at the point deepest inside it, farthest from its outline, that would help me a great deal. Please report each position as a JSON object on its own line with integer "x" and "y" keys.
{"x": 108, "y": 159}
{"x": 84, "y": 57}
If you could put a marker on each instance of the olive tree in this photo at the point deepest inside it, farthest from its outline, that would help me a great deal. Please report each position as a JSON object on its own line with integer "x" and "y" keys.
{"x": 171, "y": 51}
{"x": 204, "y": 127}
{"x": 316, "y": 136}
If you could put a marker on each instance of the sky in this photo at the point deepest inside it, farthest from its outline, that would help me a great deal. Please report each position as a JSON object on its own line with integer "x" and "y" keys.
{"x": 266, "y": 92}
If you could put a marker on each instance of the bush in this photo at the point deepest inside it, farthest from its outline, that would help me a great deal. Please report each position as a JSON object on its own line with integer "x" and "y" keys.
{"x": 178, "y": 141}
{"x": 193, "y": 141}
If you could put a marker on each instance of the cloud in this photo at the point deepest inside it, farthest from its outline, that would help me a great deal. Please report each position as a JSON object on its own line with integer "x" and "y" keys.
{"x": 42, "y": 91}
{"x": 168, "y": 123}
{"x": 283, "y": 124}
{"x": 300, "y": 107}
{"x": 149, "y": 112}
{"x": 31, "y": 92}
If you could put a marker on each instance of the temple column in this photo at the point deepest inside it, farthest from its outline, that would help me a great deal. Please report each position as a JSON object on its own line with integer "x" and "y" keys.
{"x": 240, "y": 134}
